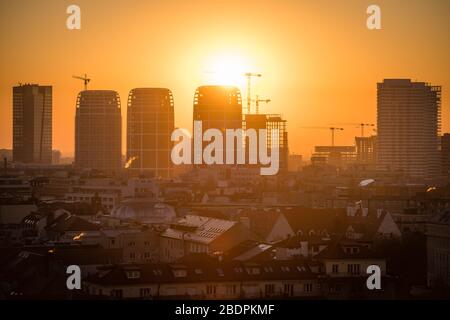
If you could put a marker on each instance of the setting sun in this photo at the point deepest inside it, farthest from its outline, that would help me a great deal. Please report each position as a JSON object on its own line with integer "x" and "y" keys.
{"x": 226, "y": 69}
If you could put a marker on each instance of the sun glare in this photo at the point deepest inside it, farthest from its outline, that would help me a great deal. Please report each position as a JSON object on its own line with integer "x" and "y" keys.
{"x": 226, "y": 69}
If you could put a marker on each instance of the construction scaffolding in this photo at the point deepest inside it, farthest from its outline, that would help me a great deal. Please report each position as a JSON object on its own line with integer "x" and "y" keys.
{"x": 271, "y": 122}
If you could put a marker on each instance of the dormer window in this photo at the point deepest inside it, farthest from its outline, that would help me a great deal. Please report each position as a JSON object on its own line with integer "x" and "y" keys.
{"x": 285, "y": 269}
{"x": 268, "y": 269}
{"x": 238, "y": 270}
{"x": 198, "y": 271}
{"x": 253, "y": 271}
{"x": 133, "y": 274}
{"x": 179, "y": 273}
{"x": 157, "y": 272}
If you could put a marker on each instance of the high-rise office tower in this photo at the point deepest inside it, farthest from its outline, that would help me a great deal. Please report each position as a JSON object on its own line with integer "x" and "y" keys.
{"x": 445, "y": 153}
{"x": 150, "y": 123}
{"x": 408, "y": 127}
{"x": 218, "y": 107}
{"x": 98, "y": 131}
{"x": 32, "y": 124}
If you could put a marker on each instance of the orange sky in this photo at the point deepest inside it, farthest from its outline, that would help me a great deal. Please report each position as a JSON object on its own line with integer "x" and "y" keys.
{"x": 320, "y": 63}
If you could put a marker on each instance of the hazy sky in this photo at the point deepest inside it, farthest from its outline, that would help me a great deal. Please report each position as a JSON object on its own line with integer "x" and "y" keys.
{"x": 320, "y": 63}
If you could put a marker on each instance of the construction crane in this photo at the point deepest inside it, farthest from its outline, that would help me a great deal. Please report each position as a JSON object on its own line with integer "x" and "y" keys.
{"x": 257, "y": 101}
{"x": 249, "y": 76}
{"x": 85, "y": 79}
{"x": 358, "y": 125}
{"x": 332, "y": 129}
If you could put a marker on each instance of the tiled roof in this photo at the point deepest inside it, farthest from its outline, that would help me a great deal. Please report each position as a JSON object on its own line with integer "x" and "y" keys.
{"x": 72, "y": 223}
{"x": 199, "y": 271}
{"x": 198, "y": 228}
{"x": 338, "y": 251}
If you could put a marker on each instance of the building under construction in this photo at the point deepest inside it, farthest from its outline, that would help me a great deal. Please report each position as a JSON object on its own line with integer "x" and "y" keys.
{"x": 366, "y": 149}
{"x": 270, "y": 122}
{"x": 334, "y": 155}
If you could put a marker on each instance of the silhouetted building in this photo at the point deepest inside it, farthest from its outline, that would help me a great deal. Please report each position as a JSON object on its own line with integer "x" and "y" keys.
{"x": 295, "y": 162}
{"x": 445, "y": 152}
{"x": 408, "y": 127}
{"x": 32, "y": 124}
{"x": 56, "y": 156}
{"x": 218, "y": 107}
{"x": 366, "y": 149}
{"x": 98, "y": 130}
{"x": 270, "y": 122}
{"x": 334, "y": 155}
{"x": 6, "y": 153}
{"x": 438, "y": 251}
{"x": 150, "y": 123}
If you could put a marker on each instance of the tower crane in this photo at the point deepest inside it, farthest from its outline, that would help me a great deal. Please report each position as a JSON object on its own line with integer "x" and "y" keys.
{"x": 361, "y": 125}
{"x": 84, "y": 78}
{"x": 257, "y": 101}
{"x": 332, "y": 129}
{"x": 249, "y": 76}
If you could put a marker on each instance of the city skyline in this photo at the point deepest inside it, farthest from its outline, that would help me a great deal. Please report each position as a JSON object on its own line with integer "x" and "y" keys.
{"x": 314, "y": 88}
{"x": 224, "y": 158}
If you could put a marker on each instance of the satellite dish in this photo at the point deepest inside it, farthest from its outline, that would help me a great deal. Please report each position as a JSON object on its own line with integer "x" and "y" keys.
{"x": 366, "y": 182}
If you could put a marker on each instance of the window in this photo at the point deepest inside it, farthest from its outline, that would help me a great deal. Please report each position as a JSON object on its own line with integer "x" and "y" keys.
{"x": 117, "y": 293}
{"x": 307, "y": 287}
{"x": 145, "y": 292}
{"x": 335, "y": 268}
{"x": 211, "y": 289}
{"x": 220, "y": 272}
{"x": 157, "y": 272}
{"x": 179, "y": 273}
{"x": 198, "y": 271}
{"x": 133, "y": 274}
{"x": 269, "y": 289}
{"x": 285, "y": 269}
{"x": 231, "y": 289}
{"x": 301, "y": 269}
{"x": 132, "y": 255}
{"x": 253, "y": 270}
{"x": 353, "y": 269}
{"x": 334, "y": 288}
{"x": 289, "y": 289}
